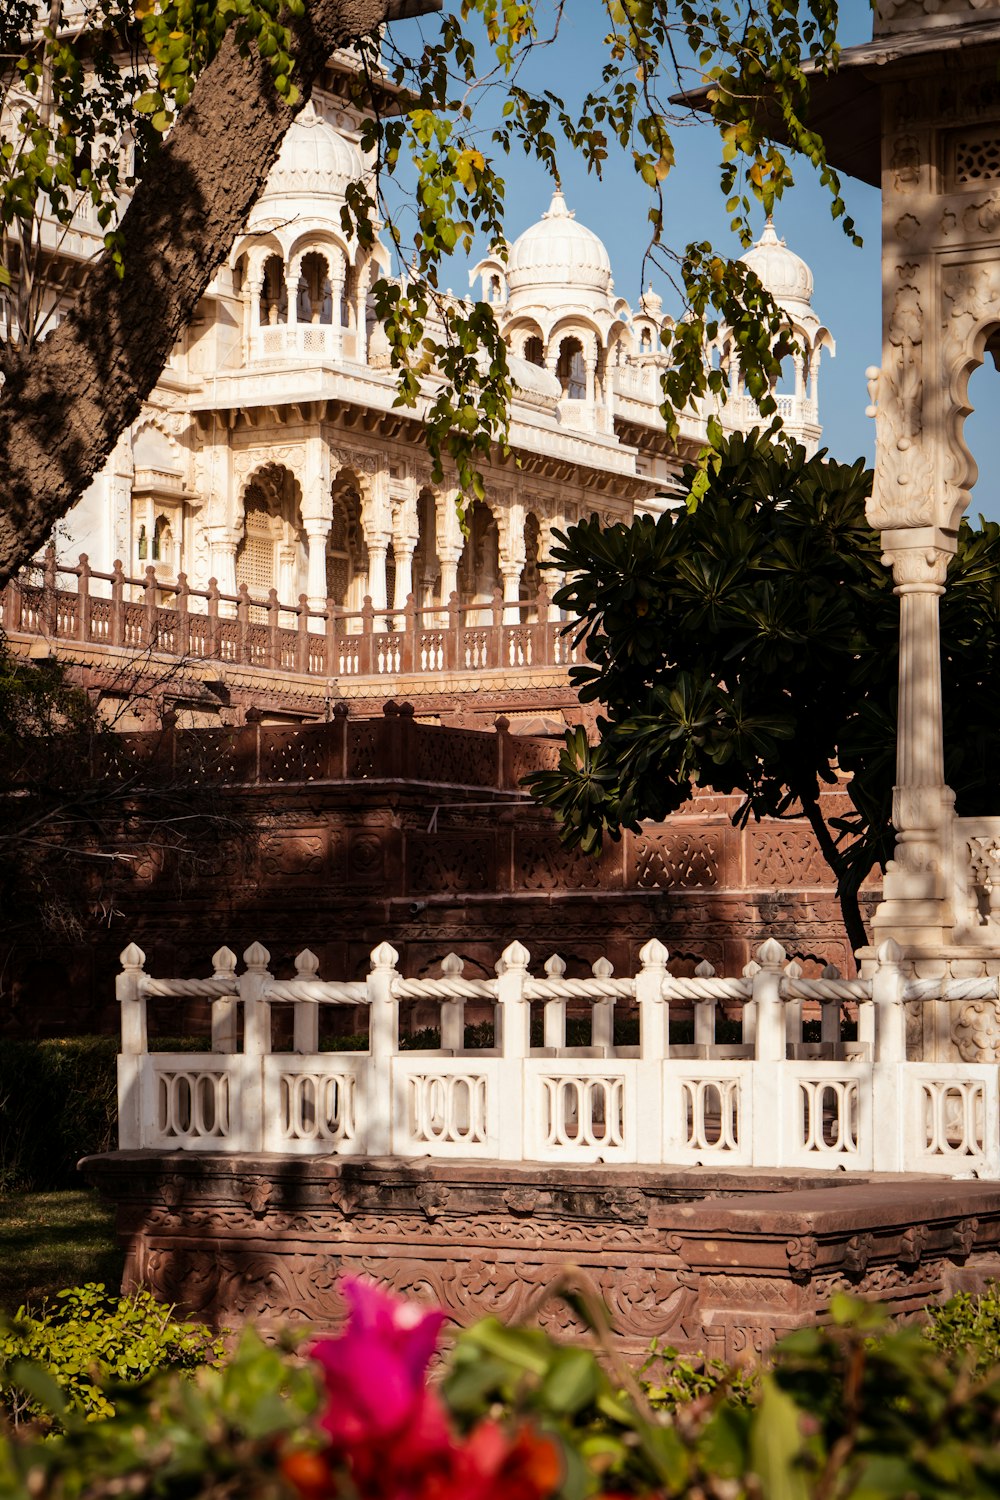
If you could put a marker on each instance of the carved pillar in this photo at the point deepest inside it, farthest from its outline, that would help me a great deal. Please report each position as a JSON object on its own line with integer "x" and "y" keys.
{"x": 378, "y": 547}
{"x": 317, "y": 533}
{"x": 590, "y": 368}
{"x": 916, "y": 903}
{"x": 294, "y": 280}
{"x": 449, "y": 556}
{"x": 553, "y": 578}
{"x": 338, "y": 273}
{"x": 223, "y": 543}
{"x": 511, "y": 572}
{"x": 317, "y": 516}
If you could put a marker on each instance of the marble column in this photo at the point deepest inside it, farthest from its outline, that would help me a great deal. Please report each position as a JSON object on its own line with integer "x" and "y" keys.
{"x": 378, "y": 547}
{"x": 916, "y": 888}
{"x": 317, "y": 533}
{"x": 403, "y": 548}
{"x": 511, "y": 572}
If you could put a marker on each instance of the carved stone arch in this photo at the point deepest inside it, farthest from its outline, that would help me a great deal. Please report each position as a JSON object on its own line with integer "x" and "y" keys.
{"x": 526, "y": 341}
{"x": 152, "y": 421}
{"x": 961, "y": 470}
{"x": 479, "y": 568}
{"x": 271, "y": 550}
{"x": 347, "y": 548}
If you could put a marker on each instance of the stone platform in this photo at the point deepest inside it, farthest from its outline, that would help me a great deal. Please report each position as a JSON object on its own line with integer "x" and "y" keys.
{"x": 722, "y": 1262}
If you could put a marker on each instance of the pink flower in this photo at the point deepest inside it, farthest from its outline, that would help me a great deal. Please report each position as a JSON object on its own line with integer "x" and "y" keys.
{"x": 375, "y": 1370}
{"x": 390, "y": 1434}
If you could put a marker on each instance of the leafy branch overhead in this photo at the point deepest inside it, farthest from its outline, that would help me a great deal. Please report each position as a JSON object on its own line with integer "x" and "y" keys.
{"x": 159, "y": 123}
{"x": 748, "y": 643}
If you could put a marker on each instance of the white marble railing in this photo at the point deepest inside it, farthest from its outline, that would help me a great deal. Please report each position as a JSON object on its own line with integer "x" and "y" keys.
{"x": 770, "y": 1100}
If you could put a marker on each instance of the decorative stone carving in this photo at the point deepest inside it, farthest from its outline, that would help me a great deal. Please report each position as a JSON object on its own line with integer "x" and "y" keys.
{"x": 903, "y": 493}
{"x": 976, "y": 1033}
{"x": 802, "y": 1255}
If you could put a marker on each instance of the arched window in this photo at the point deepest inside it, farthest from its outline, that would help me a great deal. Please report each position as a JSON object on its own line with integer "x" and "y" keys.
{"x": 534, "y": 353}
{"x": 570, "y": 369}
{"x": 315, "y": 293}
{"x": 163, "y": 541}
{"x": 274, "y": 293}
{"x": 496, "y": 290}
{"x": 981, "y": 433}
{"x": 346, "y": 553}
{"x": 646, "y": 341}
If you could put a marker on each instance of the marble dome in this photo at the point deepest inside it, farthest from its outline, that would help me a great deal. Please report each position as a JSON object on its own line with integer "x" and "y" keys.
{"x": 315, "y": 160}
{"x": 559, "y": 258}
{"x": 785, "y": 274}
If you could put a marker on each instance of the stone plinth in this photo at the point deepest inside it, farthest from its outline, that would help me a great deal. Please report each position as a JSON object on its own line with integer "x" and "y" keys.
{"x": 723, "y": 1262}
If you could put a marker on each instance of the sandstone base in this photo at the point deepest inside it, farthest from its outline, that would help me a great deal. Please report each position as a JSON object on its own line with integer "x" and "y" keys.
{"x": 723, "y": 1263}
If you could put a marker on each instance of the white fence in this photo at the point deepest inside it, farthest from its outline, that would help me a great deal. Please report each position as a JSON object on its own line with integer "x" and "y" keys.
{"x": 770, "y": 1100}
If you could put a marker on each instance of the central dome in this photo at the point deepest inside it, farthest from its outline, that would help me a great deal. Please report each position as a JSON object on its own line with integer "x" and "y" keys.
{"x": 315, "y": 161}
{"x": 560, "y": 257}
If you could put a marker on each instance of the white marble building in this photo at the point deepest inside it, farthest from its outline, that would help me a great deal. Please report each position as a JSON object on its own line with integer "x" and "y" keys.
{"x": 271, "y": 454}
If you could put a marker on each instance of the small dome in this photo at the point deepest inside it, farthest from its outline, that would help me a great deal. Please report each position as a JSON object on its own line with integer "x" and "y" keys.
{"x": 785, "y": 274}
{"x": 558, "y": 254}
{"x": 315, "y": 160}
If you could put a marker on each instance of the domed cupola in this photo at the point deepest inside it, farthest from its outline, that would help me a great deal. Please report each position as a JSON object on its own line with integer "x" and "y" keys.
{"x": 558, "y": 261}
{"x": 315, "y": 161}
{"x": 785, "y": 274}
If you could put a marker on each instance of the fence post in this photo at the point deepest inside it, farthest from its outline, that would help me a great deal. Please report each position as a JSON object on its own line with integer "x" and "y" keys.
{"x": 513, "y": 1013}
{"x": 332, "y": 662}
{"x": 183, "y": 616}
{"x": 769, "y": 1049}
{"x": 452, "y": 1010}
{"x": 83, "y": 599}
{"x": 888, "y": 984}
{"x": 243, "y": 624}
{"x": 409, "y": 656}
{"x": 888, "y": 1016}
{"x": 704, "y": 1011}
{"x": 366, "y": 650}
{"x": 306, "y": 1012}
{"x": 602, "y": 1016}
{"x": 302, "y": 636}
{"x": 793, "y": 1009}
{"x": 541, "y": 655}
{"x": 224, "y": 1009}
{"x": 829, "y": 1015}
{"x": 654, "y": 1047}
{"x": 337, "y": 759}
{"x": 12, "y": 605}
{"x": 554, "y": 1014}
{"x": 453, "y": 653}
{"x": 50, "y": 605}
{"x": 496, "y": 657}
{"x": 131, "y": 1059}
{"x": 273, "y": 629}
{"x": 212, "y": 633}
{"x": 505, "y": 769}
{"x": 149, "y": 602}
{"x": 256, "y": 1046}
{"x": 117, "y": 625}
{"x": 383, "y": 1045}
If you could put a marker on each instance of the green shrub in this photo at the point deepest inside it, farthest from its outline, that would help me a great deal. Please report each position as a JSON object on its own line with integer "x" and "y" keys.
{"x": 58, "y": 1102}
{"x": 967, "y": 1329}
{"x": 88, "y": 1341}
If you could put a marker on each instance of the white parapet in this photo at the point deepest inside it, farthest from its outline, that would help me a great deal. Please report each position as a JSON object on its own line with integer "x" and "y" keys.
{"x": 772, "y": 1099}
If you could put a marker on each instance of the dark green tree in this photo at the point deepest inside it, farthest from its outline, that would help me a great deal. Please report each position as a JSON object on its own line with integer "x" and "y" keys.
{"x": 749, "y": 643}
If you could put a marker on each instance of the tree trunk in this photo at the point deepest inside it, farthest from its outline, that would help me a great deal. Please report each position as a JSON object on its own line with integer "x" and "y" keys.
{"x": 63, "y": 408}
{"x": 847, "y": 888}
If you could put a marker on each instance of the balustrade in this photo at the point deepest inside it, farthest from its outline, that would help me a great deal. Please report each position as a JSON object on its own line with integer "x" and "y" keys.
{"x": 168, "y": 618}
{"x": 771, "y": 1100}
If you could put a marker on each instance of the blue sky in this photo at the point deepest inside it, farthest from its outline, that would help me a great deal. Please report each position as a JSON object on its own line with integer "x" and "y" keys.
{"x": 847, "y": 280}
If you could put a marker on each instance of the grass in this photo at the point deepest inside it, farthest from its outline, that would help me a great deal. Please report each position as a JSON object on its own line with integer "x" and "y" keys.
{"x": 53, "y": 1240}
